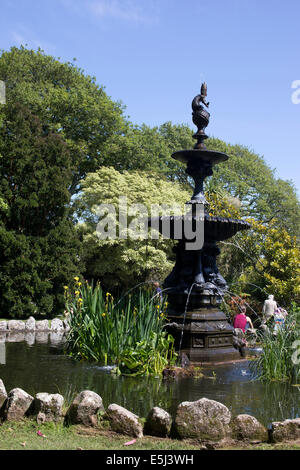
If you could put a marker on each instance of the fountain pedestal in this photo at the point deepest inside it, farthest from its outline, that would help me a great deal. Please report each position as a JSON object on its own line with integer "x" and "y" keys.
{"x": 195, "y": 286}
{"x": 203, "y": 334}
{"x": 207, "y": 336}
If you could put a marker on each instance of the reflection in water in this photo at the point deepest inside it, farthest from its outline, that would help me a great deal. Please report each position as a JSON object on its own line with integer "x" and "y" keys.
{"x": 44, "y": 368}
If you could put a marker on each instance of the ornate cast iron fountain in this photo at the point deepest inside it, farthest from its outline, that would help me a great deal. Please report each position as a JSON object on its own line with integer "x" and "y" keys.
{"x": 196, "y": 287}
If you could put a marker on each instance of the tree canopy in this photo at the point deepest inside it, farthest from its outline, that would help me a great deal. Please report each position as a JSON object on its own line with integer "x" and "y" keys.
{"x": 38, "y": 242}
{"x": 66, "y": 146}
{"x": 67, "y": 102}
{"x": 125, "y": 262}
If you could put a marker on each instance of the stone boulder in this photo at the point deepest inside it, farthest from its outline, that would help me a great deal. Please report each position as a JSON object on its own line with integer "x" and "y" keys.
{"x": 158, "y": 422}
{"x": 287, "y": 430}
{"x": 3, "y": 394}
{"x": 30, "y": 338}
{"x": 203, "y": 419}
{"x": 3, "y": 325}
{"x": 30, "y": 324}
{"x": 57, "y": 337}
{"x": 17, "y": 405}
{"x": 16, "y": 325}
{"x": 84, "y": 409}
{"x": 15, "y": 336}
{"x": 41, "y": 337}
{"x": 48, "y": 407}
{"x": 248, "y": 428}
{"x": 57, "y": 325}
{"x": 123, "y": 421}
{"x": 42, "y": 325}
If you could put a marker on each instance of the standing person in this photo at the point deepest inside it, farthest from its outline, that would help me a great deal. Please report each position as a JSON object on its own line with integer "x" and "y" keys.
{"x": 269, "y": 308}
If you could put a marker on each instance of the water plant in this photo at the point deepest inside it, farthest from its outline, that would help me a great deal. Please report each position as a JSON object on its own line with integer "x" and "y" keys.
{"x": 278, "y": 360}
{"x": 128, "y": 334}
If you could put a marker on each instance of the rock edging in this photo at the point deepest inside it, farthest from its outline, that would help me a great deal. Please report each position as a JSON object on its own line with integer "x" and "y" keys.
{"x": 208, "y": 421}
{"x": 31, "y": 325}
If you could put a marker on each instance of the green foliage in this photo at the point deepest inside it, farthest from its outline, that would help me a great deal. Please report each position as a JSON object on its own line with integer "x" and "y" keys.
{"x": 247, "y": 177}
{"x": 34, "y": 174}
{"x": 128, "y": 333}
{"x": 67, "y": 103}
{"x": 268, "y": 261}
{"x": 59, "y": 126}
{"x": 149, "y": 149}
{"x": 38, "y": 242}
{"x": 125, "y": 262}
{"x": 53, "y": 130}
{"x": 277, "y": 361}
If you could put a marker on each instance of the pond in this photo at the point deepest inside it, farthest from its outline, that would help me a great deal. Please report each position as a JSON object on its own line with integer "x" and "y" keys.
{"x": 43, "y": 367}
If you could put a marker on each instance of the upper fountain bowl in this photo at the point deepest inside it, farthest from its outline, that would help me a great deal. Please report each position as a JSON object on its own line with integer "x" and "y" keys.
{"x": 194, "y": 156}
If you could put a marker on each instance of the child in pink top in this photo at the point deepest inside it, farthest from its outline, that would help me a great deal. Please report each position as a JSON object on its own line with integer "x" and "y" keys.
{"x": 240, "y": 320}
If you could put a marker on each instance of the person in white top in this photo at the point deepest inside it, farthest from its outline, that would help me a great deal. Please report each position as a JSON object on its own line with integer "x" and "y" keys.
{"x": 269, "y": 308}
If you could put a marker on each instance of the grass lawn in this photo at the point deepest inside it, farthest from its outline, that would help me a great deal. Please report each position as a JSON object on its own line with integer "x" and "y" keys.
{"x": 23, "y": 435}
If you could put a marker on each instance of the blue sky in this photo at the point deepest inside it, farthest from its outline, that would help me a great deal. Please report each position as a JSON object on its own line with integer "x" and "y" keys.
{"x": 153, "y": 55}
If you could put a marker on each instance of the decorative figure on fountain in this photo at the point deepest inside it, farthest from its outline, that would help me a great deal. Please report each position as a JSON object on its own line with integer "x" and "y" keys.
{"x": 200, "y": 116}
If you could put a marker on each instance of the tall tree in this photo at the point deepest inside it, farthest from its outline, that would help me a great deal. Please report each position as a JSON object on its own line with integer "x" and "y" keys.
{"x": 66, "y": 101}
{"x": 38, "y": 244}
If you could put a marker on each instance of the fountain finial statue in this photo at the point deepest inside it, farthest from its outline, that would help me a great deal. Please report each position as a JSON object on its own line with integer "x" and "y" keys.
{"x": 200, "y": 116}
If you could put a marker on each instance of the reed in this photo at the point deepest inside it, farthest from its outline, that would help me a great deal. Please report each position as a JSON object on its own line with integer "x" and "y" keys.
{"x": 278, "y": 361}
{"x": 128, "y": 334}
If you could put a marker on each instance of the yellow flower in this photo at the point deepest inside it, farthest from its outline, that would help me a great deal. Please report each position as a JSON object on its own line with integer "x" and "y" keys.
{"x": 103, "y": 314}
{"x": 80, "y": 300}
{"x": 66, "y": 287}
{"x": 76, "y": 278}
{"x": 77, "y": 292}
{"x": 157, "y": 306}
{"x": 79, "y": 283}
{"x": 107, "y": 294}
